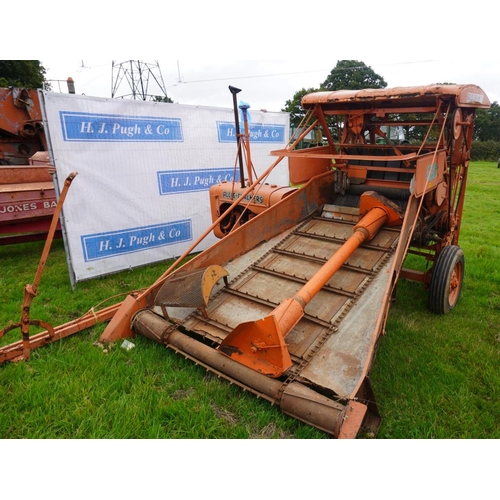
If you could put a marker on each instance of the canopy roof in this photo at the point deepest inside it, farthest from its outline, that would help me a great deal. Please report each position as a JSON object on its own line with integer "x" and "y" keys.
{"x": 466, "y": 95}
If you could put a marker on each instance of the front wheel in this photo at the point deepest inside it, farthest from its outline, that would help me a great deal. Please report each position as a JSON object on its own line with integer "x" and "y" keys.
{"x": 446, "y": 280}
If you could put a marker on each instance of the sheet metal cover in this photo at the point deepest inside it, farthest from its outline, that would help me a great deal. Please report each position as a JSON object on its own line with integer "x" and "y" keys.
{"x": 191, "y": 289}
{"x": 467, "y": 95}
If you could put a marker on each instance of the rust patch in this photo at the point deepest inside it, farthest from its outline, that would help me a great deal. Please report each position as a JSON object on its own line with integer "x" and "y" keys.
{"x": 351, "y": 363}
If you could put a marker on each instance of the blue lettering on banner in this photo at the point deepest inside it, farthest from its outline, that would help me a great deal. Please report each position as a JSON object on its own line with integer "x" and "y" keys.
{"x": 103, "y": 245}
{"x": 93, "y": 127}
{"x": 258, "y": 132}
{"x": 185, "y": 181}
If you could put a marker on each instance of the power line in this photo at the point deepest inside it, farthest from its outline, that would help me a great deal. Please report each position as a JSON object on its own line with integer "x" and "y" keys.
{"x": 253, "y": 76}
{"x": 299, "y": 72}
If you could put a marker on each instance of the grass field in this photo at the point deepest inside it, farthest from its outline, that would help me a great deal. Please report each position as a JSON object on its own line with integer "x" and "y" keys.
{"x": 434, "y": 376}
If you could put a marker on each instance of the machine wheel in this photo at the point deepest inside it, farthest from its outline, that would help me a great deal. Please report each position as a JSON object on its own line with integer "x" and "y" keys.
{"x": 446, "y": 280}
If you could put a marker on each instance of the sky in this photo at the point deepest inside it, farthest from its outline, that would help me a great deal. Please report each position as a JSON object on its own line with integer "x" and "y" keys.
{"x": 270, "y": 49}
{"x": 265, "y": 84}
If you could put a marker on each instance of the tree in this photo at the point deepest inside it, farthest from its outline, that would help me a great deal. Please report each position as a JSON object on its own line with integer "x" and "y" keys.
{"x": 159, "y": 98}
{"x": 487, "y": 124}
{"x": 353, "y": 75}
{"x": 30, "y": 74}
{"x": 293, "y": 106}
{"x": 347, "y": 75}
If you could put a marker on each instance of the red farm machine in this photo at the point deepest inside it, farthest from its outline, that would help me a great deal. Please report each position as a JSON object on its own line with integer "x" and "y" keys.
{"x": 292, "y": 301}
{"x": 27, "y": 194}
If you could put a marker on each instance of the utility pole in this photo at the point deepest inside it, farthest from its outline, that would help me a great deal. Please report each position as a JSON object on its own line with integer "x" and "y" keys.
{"x": 138, "y": 76}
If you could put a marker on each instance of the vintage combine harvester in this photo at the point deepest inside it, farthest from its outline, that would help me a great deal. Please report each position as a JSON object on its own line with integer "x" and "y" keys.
{"x": 292, "y": 301}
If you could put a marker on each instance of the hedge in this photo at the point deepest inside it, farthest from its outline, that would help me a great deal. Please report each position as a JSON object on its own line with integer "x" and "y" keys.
{"x": 485, "y": 151}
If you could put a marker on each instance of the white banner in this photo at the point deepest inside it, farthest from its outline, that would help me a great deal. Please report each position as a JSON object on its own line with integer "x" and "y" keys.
{"x": 144, "y": 169}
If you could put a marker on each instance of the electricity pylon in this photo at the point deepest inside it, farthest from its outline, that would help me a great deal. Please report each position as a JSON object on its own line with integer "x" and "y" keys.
{"x": 138, "y": 75}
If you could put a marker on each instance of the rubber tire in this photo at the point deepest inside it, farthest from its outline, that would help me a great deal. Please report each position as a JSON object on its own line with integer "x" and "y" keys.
{"x": 446, "y": 280}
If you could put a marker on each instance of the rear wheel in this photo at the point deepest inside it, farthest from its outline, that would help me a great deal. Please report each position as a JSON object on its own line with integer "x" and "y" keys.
{"x": 446, "y": 281}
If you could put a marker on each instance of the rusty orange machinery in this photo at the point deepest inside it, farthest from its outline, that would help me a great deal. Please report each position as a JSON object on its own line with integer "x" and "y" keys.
{"x": 27, "y": 192}
{"x": 21, "y": 126}
{"x": 250, "y": 198}
{"x": 430, "y": 165}
{"x": 250, "y": 204}
{"x": 27, "y": 200}
{"x": 261, "y": 344}
{"x": 309, "y": 279}
{"x": 31, "y": 290}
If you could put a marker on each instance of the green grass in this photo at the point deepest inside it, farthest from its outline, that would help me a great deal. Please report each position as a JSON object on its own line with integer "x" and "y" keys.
{"x": 75, "y": 389}
{"x": 434, "y": 376}
{"x": 438, "y": 376}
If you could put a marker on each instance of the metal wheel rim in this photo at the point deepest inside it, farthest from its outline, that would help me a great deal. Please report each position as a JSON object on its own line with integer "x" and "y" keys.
{"x": 455, "y": 282}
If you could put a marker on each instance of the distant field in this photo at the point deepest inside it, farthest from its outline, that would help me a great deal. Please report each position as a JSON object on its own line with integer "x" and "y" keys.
{"x": 434, "y": 376}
